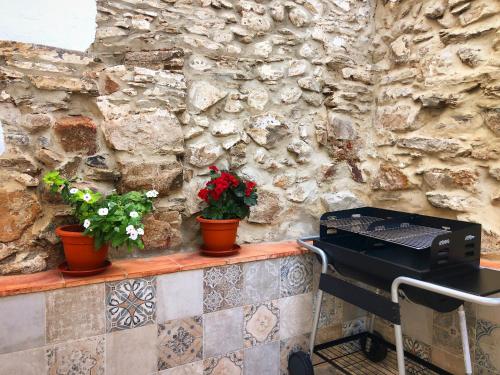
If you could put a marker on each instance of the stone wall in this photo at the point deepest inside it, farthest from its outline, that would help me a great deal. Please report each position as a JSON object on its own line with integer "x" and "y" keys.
{"x": 326, "y": 104}
{"x": 438, "y": 110}
{"x": 278, "y": 91}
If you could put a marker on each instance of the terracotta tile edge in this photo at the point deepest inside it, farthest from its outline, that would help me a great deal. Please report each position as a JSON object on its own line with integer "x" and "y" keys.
{"x": 495, "y": 264}
{"x": 270, "y": 250}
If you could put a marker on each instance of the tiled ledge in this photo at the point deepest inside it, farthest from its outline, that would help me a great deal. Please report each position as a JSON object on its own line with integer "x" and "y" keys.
{"x": 131, "y": 268}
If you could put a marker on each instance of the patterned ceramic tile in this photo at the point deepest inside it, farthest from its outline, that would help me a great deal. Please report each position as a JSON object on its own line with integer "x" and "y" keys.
{"x": 180, "y": 342}
{"x": 331, "y": 311}
{"x": 261, "y": 281}
{"x": 222, "y": 332}
{"x": 27, "y": 362}
{"x": 296, "y": 315}
{"x": 228, "y": 364}
{"x": 353, "y": 327}
{"x": 132, "y": 351}
{"x": 289, "y": 346}
{"x": 74, "y": 313}
{"x": 130, "y": 303}
{"x": 28, "y": 325}
{"x": 261, "y": 323}
{"x": 417, "y": 321}
{"x": 222, "y": 287}
{"x": 329, "y": 333}
{"x": 195, "y": 368}
{"x": 447, "y": 361}
{"x": 418, "y": 348}
{"x": 487, "y": 345}
{"x": 478, "y": 370}
{"x": 179, "y": 295}
{"x": 77, "y": 357}
{"x": 446, "y": 332}
{"x": 296, "y": 275}
{"x": 263, "y": 359}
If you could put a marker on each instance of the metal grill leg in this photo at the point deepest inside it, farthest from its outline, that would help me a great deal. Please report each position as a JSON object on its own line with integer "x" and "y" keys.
{"x": 400, "y": 351}
{"x": 465, "y": 340}
{"x": 317, "y": 312}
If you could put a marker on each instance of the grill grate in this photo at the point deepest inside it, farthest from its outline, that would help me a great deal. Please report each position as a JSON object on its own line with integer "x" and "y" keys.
{"x": 350, "y": 360}
{"x": 414, "y": 236}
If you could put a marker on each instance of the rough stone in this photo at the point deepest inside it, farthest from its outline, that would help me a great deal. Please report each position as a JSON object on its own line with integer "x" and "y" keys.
{"x": 342, "y": 200}
{"x": 256, "y": 22}
{"x": 435, "y": 9}
{"x": 267, "y": 129}
{"x": 37, "y": 122}
{"x": 492, "y": 120}
{"x": 445, "y": 178}
{"x": 268, "y": 208}
{"x": 258, "y": 98}
{"x": 470, "y": 56}
{"x": 162, "y": 230}
{"x": 340, "y": 127}
{"x": 158, "y": 133}
{"x": 430, "y": 145}
{"x": 400, "y": 48}
{"x": 290, "y": 94}
{"x": 223, "y": 128}
{"x": 299, "y": 17}
{"x": 399, "y": 117}
{"x": 203, "y": 154}
{"x": 301, "y": 150}
{"x": 18, "y": 210}
{"x": 390, "y": 178}
{"x": 170, "y": 59}
{"x": 164, "y": 177}
{"x": 203, "y": 95}
{"x": 277, "y": 11}
{"x": 77, "y": 134}
{"x": 495, "y": 172}
{"x": 455, "y": 201}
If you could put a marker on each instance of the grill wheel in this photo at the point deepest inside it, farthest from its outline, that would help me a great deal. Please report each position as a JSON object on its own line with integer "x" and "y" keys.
{"x": 300, "y": 363}
{"x": 374, "y": 347}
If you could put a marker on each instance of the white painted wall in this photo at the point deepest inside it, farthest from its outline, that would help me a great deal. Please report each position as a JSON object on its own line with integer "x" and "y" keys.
{"x": 66, "y": 24}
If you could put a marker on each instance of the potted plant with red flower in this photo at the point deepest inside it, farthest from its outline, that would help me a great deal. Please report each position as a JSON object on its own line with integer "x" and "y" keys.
{"x": 228, "y": 199}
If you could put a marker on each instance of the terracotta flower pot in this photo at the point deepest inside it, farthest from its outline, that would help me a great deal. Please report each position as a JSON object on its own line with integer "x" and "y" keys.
{"x": 219, "y": 236}
{"x": 79, "y": 249}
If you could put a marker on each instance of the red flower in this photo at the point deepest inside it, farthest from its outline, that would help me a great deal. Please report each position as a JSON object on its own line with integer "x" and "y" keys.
{"x": 230, "y": 178}
{"x": 213, "y": 168}
{"x": 203, "y": 194}
{"x": 250, "y": 185}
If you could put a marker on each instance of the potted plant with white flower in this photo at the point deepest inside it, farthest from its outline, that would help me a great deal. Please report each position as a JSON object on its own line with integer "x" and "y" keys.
{"x": 104, "y": 220}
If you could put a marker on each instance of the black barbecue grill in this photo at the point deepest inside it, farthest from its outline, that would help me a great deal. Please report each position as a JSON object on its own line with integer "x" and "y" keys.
{"x": 432, "y": 261}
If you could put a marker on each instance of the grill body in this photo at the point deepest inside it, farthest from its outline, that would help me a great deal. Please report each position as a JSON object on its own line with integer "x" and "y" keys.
{"x": 376, "y": 246}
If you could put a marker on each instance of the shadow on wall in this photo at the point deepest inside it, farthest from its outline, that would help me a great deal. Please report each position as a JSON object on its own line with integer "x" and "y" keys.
{"x": 59, "y": 23}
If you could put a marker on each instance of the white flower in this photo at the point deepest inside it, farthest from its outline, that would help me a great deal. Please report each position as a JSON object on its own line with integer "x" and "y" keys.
{"x": 86, "y": 223}
{"x": 102, "y": 211}
{"x": 133, "y": 235}
{"x": 87, "y": 197}
{"x": 140, "y": 231}
{"x": 73, "y": 190}
{"x": 152, "y": 194}
{"x": 130, "y": 229}
{"x": 134, "y": 214}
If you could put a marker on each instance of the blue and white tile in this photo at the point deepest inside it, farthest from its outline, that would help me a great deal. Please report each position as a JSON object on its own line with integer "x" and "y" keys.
{"x": 261, "y": 281}
{"x": 130, "y": 303}
{"x": 222, "y": 287}
{"x": 296, "y": 275}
